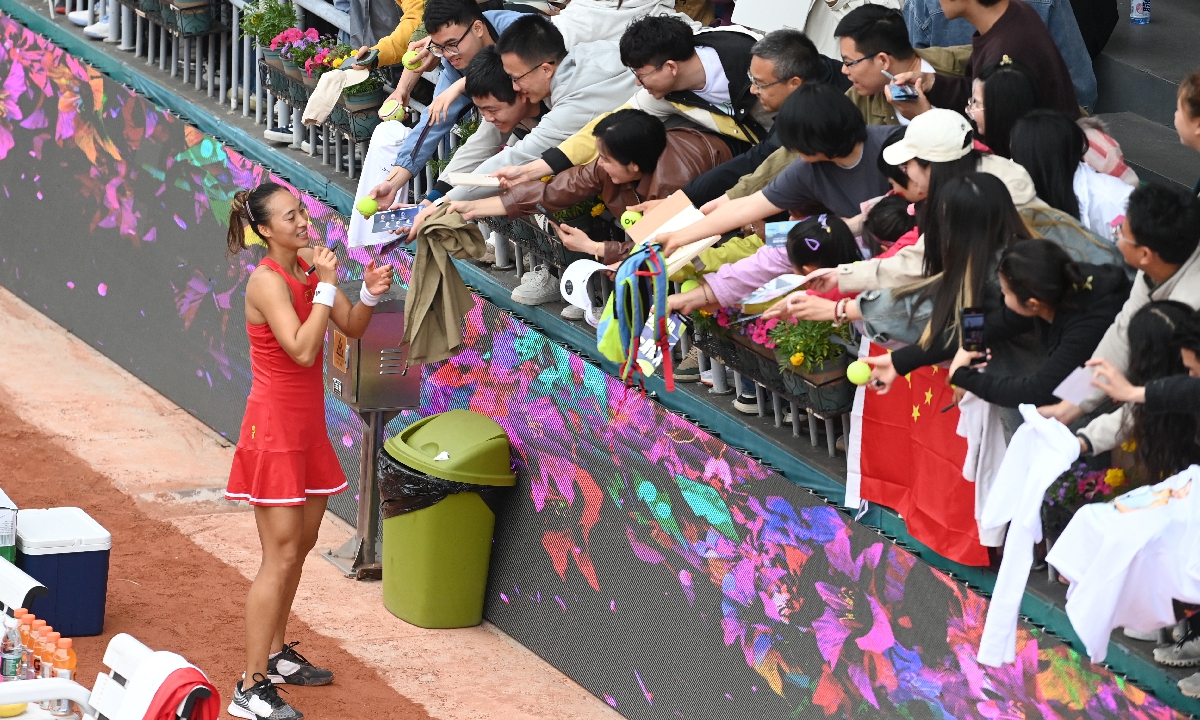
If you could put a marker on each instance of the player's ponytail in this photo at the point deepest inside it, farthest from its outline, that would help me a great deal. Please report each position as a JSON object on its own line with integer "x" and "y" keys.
{"x": 249, "y": 209}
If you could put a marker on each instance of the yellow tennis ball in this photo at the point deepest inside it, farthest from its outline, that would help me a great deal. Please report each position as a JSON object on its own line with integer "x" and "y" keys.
{"x": 629, "y": 218}
{"x": 368, "y": 206}
{"x": 859, "y": 372}
{"x": 410, "y": 60}
{"x": 688, "y": 286}
{"x": 12, "y": 710}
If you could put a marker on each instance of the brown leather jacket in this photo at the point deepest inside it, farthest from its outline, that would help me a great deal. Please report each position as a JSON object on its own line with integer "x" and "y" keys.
{"x": 688, "y": 154}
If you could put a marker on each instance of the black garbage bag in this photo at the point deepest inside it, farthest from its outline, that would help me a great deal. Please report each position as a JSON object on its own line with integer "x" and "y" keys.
{"x": 404, "y": 490}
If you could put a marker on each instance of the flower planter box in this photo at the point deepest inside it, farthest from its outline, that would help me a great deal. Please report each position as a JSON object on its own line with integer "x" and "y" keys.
{"x": 311, "y": 82}
{"x": 272, "y": 58}
{"x": 292, "y": 70}
{"x": 363, "y": 101}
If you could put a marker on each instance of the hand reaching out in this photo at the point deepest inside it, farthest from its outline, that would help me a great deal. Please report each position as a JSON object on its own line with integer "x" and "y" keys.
{"x": 378, "y": 279}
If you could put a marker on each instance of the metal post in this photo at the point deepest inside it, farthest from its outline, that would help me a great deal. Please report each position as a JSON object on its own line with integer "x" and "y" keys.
{"x": 830, "y": 438}
{"x": 325, "y": 144}
{"x": 519, "y": 258}
{"x": 126, "y": 28}
{"x": 353, "y": 147}
{"x": 777, "y": 408}
{"x": 297, "y": 127}
{"x": 795, "y": 420}
{"x": 114, "y": 26}
{"x": 259, "y": 107}
{"x": 812, "y": 428}
{"x": 212, "y": 61}
{"x": 163, "y": 41}
{"x": 175, "y": 56}
{"x": 312, "y": 140}
{"x": 200, "y": 43}
{"x": 235, "y": 60}
{"x": 760, "y": 395}
{"x": 137, "y": 35}
{"x": 720, "y": 380}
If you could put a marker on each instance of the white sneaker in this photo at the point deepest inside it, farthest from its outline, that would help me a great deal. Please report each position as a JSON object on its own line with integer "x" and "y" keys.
{"x": 82, "y": 18}
{"x": 1143, "y": 636}
{"x": 278, "y": 134}
{"x": 97, "y": 31}
{"x": 706, "y": 377}
{"x": 571, "y": 312}
{"x": 542, "y": 288}
{"x": 527, "y": 277}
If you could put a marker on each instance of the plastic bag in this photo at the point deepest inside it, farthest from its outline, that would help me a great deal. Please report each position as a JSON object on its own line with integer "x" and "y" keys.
{"x": 404, "y": 490}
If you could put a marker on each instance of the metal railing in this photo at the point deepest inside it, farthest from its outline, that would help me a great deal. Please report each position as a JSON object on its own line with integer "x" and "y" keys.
{"x": 205, "y": 48}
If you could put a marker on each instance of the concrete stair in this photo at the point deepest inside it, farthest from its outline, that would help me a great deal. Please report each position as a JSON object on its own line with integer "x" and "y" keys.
{"x": 1139, "y": 74}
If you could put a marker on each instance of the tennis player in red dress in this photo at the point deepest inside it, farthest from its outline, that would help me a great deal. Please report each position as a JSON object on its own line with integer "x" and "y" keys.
{"x": 284, "y": 465}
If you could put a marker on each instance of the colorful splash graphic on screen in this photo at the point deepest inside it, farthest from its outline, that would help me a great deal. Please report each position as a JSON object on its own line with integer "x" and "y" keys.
{"x": 669, "y": 574}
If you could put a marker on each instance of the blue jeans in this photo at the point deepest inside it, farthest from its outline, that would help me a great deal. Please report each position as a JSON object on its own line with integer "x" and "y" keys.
{"x": 928, "y": 27}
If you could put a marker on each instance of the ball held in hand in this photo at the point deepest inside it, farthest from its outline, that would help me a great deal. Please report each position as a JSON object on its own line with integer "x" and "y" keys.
{"x": 858, "y": 372}
{"x": 629, "y": 218}
{"x": 688, "y": 286}
{"x": 411, "y": 60}
{"x": 368, "y": 206}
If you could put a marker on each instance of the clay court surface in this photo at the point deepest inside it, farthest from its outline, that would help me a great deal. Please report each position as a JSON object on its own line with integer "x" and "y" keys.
{"x": 75, "y": 429}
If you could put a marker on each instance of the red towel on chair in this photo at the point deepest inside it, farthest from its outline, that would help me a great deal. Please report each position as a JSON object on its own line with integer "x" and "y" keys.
{"x": 175, "y": 688}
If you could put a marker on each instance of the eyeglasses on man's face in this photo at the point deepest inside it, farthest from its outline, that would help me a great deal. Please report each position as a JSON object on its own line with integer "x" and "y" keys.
{"x": 641, "y": 77}
{"x": 450, "y": 49}
{"x": 520, "y": 77}
{"x": 851, "y": 63}
{"x": 761, "y": 85}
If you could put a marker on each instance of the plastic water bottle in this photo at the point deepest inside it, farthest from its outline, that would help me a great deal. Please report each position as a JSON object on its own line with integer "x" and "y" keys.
{"x": 11, "y": 650}
{"x": 1139, "y": 12}
{"x": 64, "y": 667}
{"x": 49, "y": 647}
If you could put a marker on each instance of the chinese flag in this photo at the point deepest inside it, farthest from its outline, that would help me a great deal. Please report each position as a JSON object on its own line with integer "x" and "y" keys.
{"x": 911, "y": 460}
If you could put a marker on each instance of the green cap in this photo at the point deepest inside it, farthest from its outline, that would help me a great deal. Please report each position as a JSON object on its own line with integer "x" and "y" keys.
{"x": 459, "y": 445}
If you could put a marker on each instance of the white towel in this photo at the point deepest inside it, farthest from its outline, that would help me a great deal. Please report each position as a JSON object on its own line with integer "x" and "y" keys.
{"x": 381, "y": 156}
{"x": 329, "y": 89}
{"x": 1041, "y": 450}
{"x": 980, "y": 425}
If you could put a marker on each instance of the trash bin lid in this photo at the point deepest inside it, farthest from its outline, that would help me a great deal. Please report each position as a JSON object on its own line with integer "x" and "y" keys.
{"x": 459, "y": 445}
{"x": 59, "y": 530}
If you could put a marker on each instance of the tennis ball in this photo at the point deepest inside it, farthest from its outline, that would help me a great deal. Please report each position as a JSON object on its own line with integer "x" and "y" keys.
{"x": 388, "y": 110}
{"x": 410, "y": 60}
{"x": 368, "y": 206}
{"x": 629, "y": 218}
{"x": 688, "y": 285}
{"x": 12, "y": 710}
{"x": 859, "y": 372}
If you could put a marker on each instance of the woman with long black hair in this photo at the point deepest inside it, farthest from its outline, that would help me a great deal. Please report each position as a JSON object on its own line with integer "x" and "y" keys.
{"x": 284, "y": 465}
{"x": 1051, "y": 147}
{"x": 1067, "y": 305}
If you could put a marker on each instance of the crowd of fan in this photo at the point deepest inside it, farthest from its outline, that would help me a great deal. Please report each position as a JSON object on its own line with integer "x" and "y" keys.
{"x": 991, "y": 188}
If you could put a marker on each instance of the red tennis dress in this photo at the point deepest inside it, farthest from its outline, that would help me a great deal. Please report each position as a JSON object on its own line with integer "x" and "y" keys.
{"x": 283, "y": 453}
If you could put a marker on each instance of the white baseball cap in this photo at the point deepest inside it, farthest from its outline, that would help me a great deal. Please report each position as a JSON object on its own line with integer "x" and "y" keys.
{"x": 935, "y": 135}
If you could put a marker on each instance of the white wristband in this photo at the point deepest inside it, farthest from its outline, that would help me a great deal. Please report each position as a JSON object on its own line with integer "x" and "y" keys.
{"x": 365, "y": 296}
{"x": 325, "y": 294}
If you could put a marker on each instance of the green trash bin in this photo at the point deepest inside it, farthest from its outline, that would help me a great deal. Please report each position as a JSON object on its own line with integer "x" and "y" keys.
{"x": 437, "y": 529}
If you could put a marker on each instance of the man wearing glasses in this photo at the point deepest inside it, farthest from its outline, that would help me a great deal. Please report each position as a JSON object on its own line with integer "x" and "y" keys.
{"x": 701, "y": 78}
{"x": 874, "y": 40}
{"x": 458, "y": 30}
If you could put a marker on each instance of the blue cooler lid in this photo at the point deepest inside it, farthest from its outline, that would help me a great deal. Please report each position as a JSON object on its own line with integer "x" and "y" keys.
{"x": 59, "y": 530}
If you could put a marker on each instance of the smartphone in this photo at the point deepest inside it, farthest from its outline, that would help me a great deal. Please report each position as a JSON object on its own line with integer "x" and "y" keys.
{"x": 367, "y": 60}
{"x": 901, "y": 93}
{"x": 549, "y": 217}
{"x": 972, "y": 330}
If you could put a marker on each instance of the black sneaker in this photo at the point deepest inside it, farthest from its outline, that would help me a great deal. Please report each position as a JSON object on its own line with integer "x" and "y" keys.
{"x": 261, "y": 701}
{"x": 291, "y": 668}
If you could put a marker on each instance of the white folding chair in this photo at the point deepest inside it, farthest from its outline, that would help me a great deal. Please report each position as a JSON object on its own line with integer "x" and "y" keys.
{"x": 122, "y": 694}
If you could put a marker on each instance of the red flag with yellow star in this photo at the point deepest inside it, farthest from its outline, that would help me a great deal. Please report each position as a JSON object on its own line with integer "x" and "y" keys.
{"x": 911, "y": 460}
